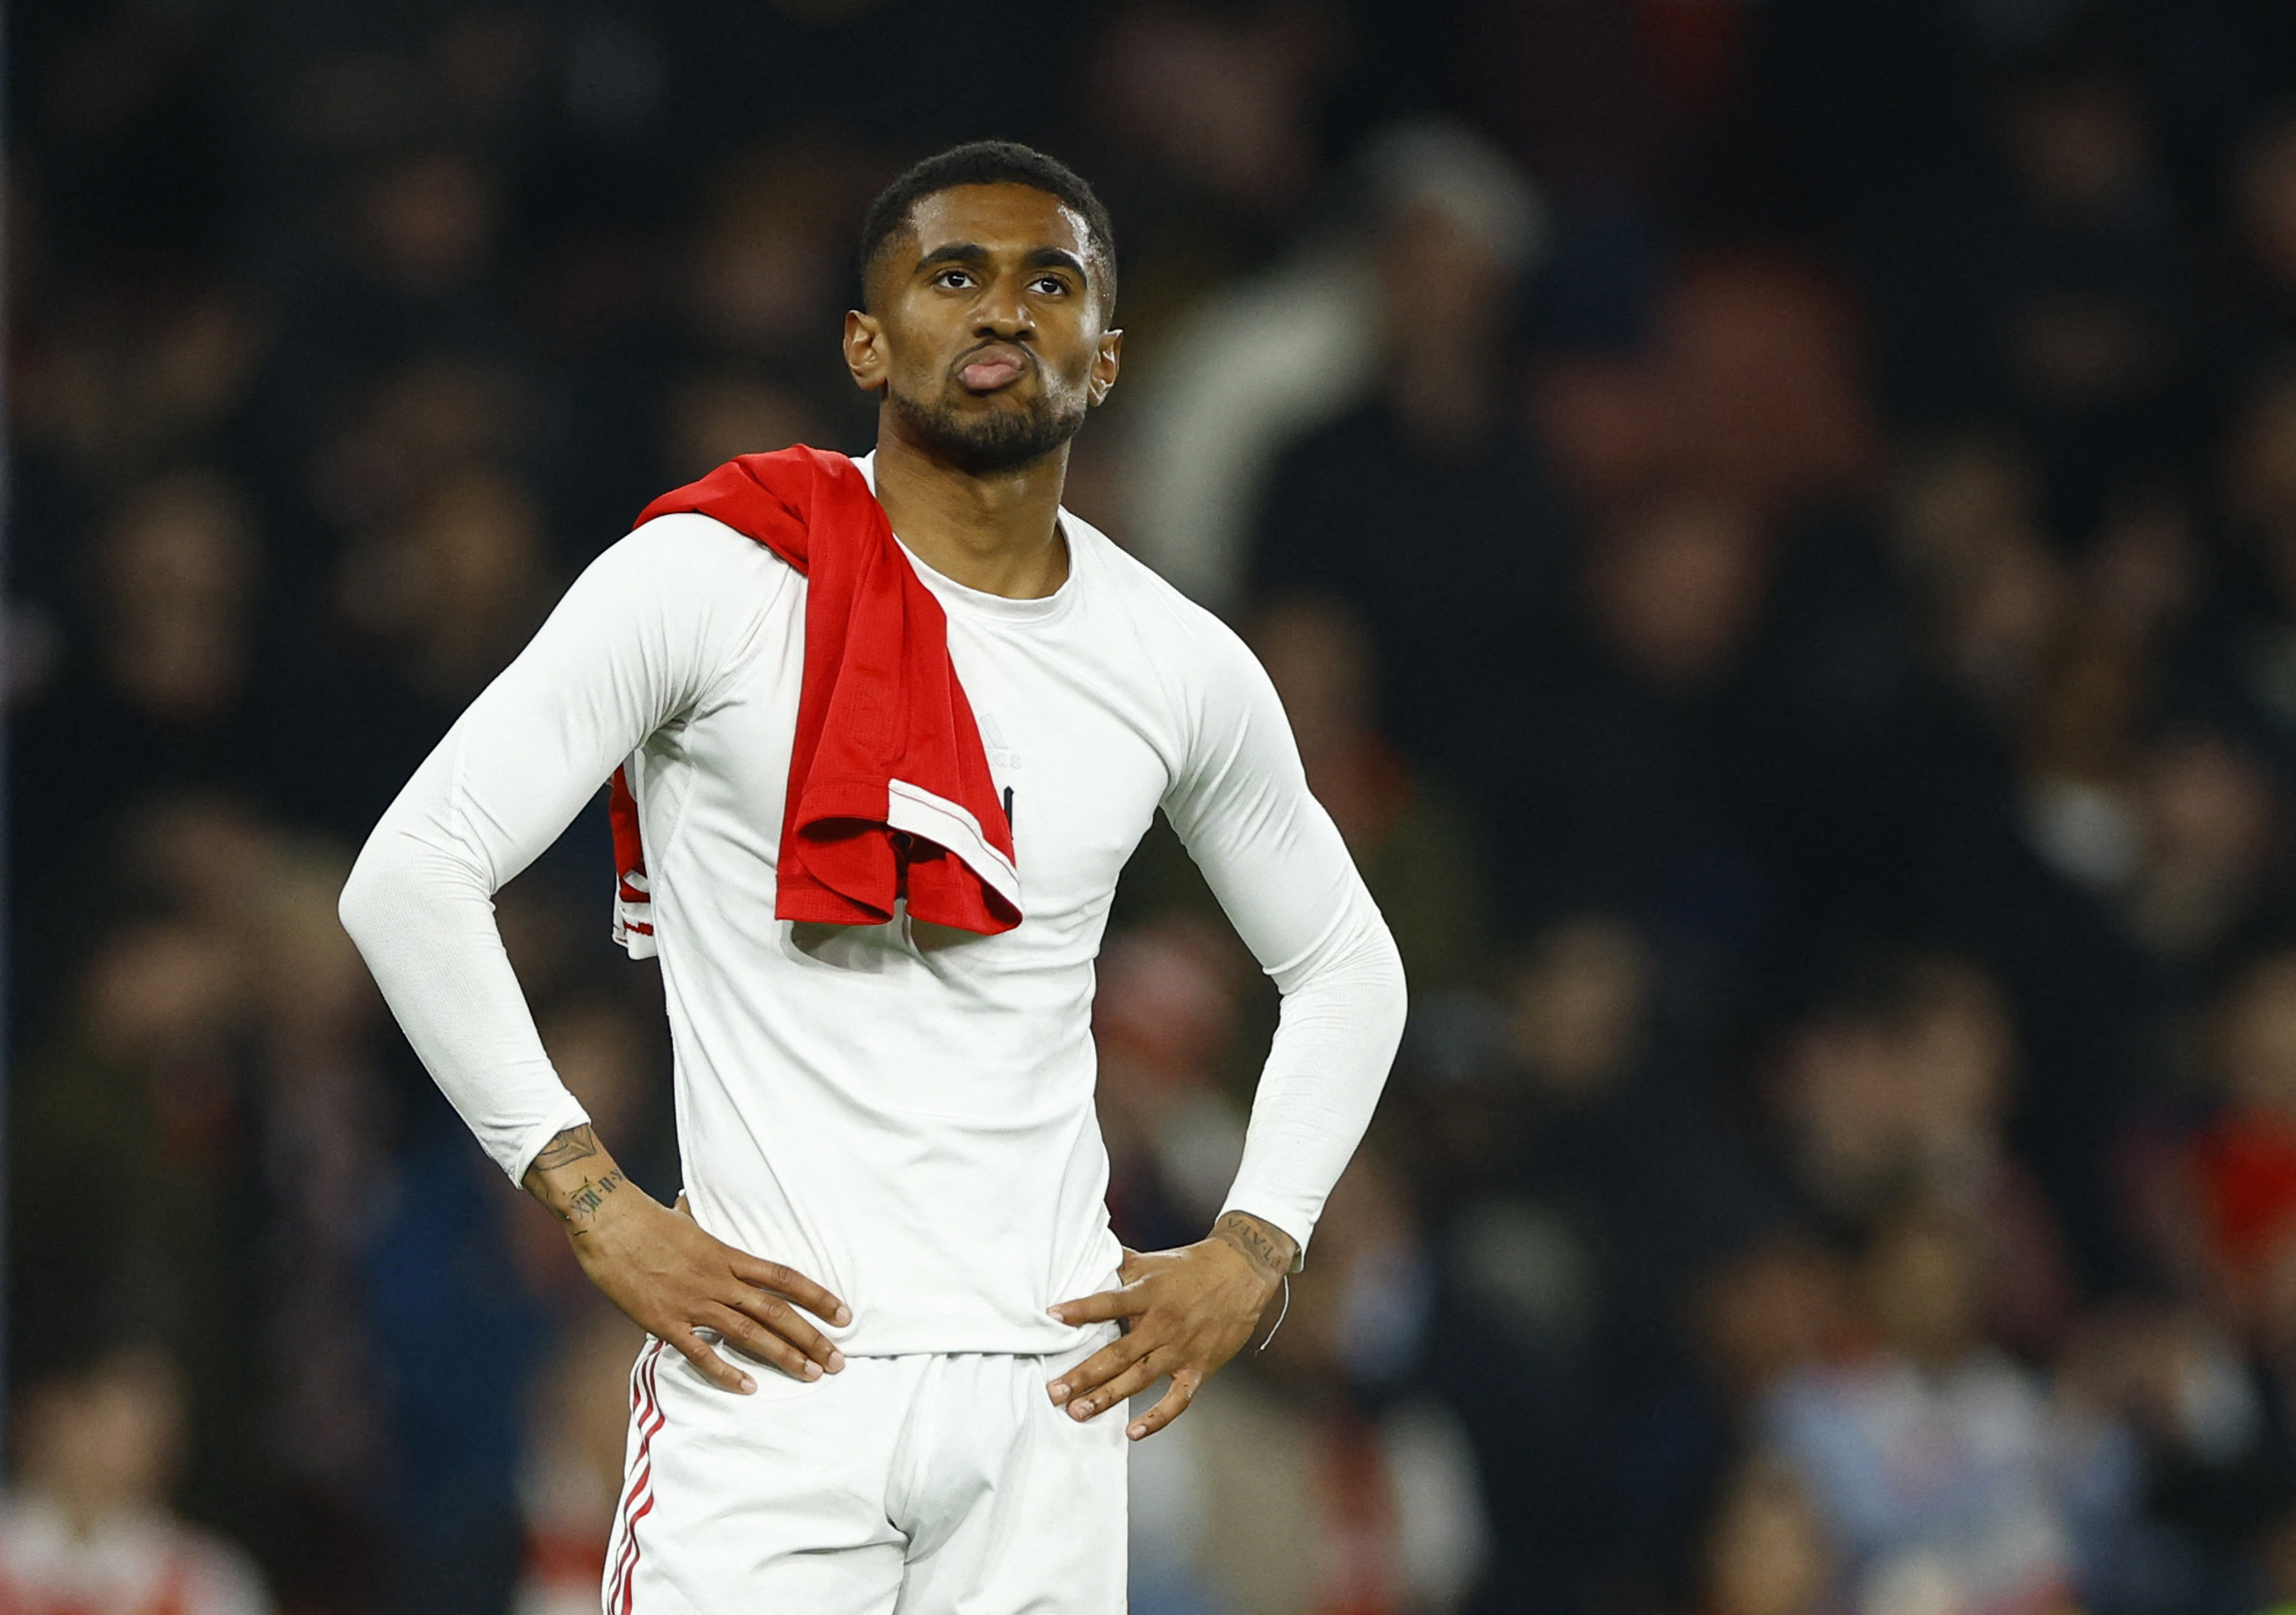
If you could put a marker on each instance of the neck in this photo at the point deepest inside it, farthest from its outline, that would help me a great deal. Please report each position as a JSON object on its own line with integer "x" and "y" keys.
{"x": 999, "y": 533}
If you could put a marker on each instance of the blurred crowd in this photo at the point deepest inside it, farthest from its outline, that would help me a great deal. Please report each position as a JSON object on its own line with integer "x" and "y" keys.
{"x": 1774, "y": 522}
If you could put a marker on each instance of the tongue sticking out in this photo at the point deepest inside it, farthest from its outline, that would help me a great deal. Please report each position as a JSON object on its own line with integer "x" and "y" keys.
{"x": 990, "y": 371}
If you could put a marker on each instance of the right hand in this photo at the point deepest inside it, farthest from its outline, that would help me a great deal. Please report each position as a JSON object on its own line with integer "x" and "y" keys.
{"x": 673, "y": 1279}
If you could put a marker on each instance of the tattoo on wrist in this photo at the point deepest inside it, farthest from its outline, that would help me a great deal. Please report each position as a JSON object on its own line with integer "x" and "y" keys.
{"x": 1264, "y": 1247}
{"x": 575, "y": 1144}
{"x": 586, "y": 1200}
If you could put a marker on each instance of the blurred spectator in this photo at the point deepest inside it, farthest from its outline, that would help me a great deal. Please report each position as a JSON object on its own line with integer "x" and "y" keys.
{"x": 1968, "y": 536}
{"x": 572, "y": 1479}
{"x": 1261, "y": 364}
{"x": 1648, "y": 693}
{"x": 2243, "y": 1164}
{"x": 1417, "y": 852}
{"x": 710, "y": 420}
{"x": 1560, "y": 1179}
{"x": 1428, "y": 511}
{"x": 2091, "y": 283}
{"x": 475, "y": 1295}
{"x": 1308, "y": 1490}
{"x": 2246, "y": 642}
{"x": 1900, "y": 1087}
{"x": 1207, "y": 114}
{"x": 1937, "y": 1465}
{"x": 1767, "y": 1552}
{"x": 129, "y": 379}
{"x": 327, "y": 1119}
{"x": 131, "y": 1132}
{"x": 2212, "y": 868}
{"x": 2209, "y": 1438}
{"x": 422, "y": 612}
{"x": 1749, "y": 388}
{"x": 2262, "y": 306}
{"x": 88, "y": 1527}
{"x": 766, "y": 273}
{"x": 159, "y": 686}
{"x": 1163, "y": 1016}
{"x": 454, "y": 591}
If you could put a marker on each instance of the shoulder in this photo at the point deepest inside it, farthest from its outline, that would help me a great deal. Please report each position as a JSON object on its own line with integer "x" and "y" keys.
{"x": 1184, "y": 637}
{"x": 686, "y": 565}
{"x": 689, "y": 545}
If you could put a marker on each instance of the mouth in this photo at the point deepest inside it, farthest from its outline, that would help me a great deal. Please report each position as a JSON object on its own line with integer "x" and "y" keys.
{"x": 993, "y": 365}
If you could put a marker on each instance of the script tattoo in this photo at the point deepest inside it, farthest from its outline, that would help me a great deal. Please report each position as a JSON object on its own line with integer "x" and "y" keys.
{"x": 575, "y": 1144}
{"x": 1260, "y": 1245}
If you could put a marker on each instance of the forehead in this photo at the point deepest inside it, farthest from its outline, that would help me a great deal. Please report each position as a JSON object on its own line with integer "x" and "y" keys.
{"x": 1015, "y": 217}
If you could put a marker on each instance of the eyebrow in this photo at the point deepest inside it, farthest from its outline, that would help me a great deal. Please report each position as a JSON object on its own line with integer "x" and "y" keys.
{"x": 1058, "y": 258}
{"x": 972, "y": 252}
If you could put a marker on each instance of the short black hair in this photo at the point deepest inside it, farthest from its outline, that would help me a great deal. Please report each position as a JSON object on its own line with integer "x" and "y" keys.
{"x": 992, "y": 162}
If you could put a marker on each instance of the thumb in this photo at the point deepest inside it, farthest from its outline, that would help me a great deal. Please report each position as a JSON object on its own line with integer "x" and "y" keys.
{"x": 682, "y": 1209}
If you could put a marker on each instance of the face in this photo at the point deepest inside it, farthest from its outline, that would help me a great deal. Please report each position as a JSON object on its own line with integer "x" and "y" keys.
{"x": 987, "y": 332}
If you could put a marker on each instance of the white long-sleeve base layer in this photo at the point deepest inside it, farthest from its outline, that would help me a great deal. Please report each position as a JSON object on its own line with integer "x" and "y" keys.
{"x": 901, "y": 1111}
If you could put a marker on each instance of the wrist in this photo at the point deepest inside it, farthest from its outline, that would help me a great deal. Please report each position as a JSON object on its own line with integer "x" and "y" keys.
{"x": 1266, "y": 1247}
{"x": 578, "y": 1180}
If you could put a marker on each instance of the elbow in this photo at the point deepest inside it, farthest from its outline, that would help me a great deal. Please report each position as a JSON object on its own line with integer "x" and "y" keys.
{"x": 386, "y": 882}
{"x": 1394, "y": 990}
{"x": 1376, "y": 963}
{"x": 365, "y": 898}
{"x": 401, "y": 881}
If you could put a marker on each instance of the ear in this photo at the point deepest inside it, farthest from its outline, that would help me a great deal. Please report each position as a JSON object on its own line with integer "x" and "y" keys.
{"x": 1105, "y": 362}
{"x": 866, "y": 349}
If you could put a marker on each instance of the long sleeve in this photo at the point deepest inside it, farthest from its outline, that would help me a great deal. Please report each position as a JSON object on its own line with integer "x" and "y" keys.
{"x": 1276, "y": 861}
{"x": 632, "y": 646}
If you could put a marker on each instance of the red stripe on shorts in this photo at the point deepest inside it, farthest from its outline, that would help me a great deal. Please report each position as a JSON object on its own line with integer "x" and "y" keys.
{"x": 638, "y": 1497}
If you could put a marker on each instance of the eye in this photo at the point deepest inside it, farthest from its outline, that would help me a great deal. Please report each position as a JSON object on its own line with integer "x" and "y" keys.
{"x": 953, "y": 279}
{"x": 1051, "y": 285}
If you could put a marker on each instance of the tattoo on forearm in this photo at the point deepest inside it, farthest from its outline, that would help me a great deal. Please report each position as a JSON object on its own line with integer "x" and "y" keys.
{"x": 587, "y": 1199}
{"x": 1261, "y": 1246}
{"x": 575, "y": 1144}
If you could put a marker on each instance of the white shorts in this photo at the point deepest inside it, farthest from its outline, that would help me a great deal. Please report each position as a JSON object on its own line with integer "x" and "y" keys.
{"x": 903, "y": 1485}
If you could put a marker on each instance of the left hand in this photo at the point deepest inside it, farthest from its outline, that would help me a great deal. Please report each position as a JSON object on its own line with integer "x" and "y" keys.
{"x": 1187, "y": 1312}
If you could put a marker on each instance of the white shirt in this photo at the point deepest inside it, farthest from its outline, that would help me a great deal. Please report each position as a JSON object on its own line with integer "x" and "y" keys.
{"x": 902, "y": 1112}
{"x": 131, "y": 1562}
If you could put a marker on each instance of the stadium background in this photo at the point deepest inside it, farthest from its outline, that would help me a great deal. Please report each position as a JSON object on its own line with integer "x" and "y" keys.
{"x": 1775, "y": 521}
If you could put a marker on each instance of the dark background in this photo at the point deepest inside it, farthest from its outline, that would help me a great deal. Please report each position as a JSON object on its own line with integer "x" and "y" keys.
{"x": 1775, "y": 521}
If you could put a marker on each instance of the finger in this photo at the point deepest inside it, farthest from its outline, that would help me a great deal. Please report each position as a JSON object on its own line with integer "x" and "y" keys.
{"x": 1122, "y": 1388}
{"x": 1125, "y": 1301}
{"x": 1169, "y": 1407}
{"x": 1098, "y": 1368}
{"x": 786, "y": 1322}
{"x": 790, "y": 1283}
{"x": 752, "y": 1338}
{"x": 714, "y": 1367}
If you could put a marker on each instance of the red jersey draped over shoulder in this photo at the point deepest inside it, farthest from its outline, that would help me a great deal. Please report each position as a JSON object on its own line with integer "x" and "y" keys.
{"x": 890, "y": 792}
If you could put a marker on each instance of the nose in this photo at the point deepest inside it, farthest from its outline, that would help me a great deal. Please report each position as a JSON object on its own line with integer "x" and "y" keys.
{"x": 1003, "y": 312}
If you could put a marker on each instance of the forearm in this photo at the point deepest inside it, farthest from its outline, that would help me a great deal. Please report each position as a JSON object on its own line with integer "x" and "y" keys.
{"x": 422, "y": 913}
{"x": 1341, "y": 1020}
{"x": 1280, "y": 870}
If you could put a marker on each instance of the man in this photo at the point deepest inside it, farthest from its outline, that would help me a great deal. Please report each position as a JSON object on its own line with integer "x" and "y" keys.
{"x": 894, "y": 1173}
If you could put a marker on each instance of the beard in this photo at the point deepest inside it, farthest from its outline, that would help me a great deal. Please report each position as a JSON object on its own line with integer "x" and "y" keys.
{"x": 997, "y": 441}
